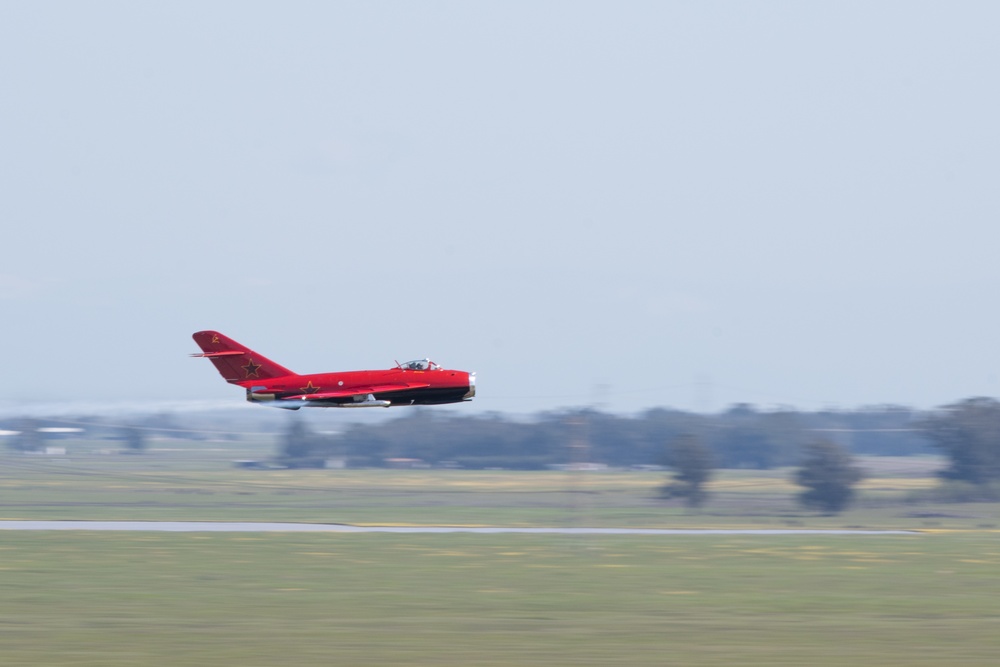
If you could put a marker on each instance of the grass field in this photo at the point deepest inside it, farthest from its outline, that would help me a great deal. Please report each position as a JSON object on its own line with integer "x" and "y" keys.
{"x": 293, "y": 599}
{"x": 198, "y": 482}
{"x": 107, "y": 599}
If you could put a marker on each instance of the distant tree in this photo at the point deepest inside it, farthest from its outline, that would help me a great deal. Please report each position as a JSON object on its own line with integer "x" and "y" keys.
{"x": 880, "y": 430}
{"x": 828, "y": 473}
{"x": 135, "y": 440}
{"x": 300, "y": 447}
{"x": 968, "y": 432}
{"x": 743, "y": 437}
{"x": 29, "y": 438}
{"x": 692, "y": 463}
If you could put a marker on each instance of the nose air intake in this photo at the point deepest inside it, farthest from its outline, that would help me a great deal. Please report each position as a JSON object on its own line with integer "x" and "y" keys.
{"x": 472, "y": 388}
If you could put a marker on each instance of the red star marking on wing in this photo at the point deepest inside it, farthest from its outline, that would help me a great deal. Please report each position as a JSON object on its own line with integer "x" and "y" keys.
{"x": 309, "y": 388}
{"x": 251, "y": 369}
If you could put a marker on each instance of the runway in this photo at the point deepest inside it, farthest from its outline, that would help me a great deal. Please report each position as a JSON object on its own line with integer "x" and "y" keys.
{"x": 254, "y": 527}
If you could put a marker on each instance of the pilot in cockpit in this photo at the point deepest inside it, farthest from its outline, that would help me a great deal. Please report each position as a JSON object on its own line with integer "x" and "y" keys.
{"x": 420, "y": 365}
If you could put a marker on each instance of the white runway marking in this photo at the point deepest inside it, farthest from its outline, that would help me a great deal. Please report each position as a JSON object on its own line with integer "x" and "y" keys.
{"x": 251, "y": 527}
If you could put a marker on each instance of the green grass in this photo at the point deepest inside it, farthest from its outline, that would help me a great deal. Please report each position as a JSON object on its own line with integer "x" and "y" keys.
{"x": 188, "y": 483}
{"x": 108, "y": 599}
{"x": 115, "y": 599}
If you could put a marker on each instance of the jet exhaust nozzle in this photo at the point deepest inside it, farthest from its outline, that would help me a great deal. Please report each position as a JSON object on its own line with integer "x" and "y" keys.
{"x": 254, "y": 397}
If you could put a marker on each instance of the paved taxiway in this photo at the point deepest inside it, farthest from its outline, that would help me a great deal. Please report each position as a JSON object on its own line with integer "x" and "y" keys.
{"x": 251, "y": 527}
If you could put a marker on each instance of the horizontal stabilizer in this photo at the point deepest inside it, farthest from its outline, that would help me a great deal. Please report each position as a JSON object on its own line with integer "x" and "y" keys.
{"x": 227, "y": 353}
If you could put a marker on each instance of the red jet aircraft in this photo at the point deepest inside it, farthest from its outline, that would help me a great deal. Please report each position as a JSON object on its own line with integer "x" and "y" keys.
{"x": 419, "y": 382}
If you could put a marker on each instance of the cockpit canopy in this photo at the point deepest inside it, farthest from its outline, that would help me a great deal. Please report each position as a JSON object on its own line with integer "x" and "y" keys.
{"x": 420, "y": 365}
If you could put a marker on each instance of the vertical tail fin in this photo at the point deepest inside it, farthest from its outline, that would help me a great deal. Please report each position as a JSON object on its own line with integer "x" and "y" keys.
{"x": 235, "y": 362}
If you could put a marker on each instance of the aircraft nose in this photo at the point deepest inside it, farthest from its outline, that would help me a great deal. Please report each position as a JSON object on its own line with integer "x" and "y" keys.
{"x": 472, "y": 387}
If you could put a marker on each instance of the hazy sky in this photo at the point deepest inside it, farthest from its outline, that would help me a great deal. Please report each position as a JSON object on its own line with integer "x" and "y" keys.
{"x": 626, "y": 204}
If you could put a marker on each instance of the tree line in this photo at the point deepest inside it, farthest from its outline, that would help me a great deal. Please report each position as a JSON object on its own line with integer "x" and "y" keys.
{"x": 967, "y": 433}
{"x": 822, "y": 444}
{"x": 741, "y": 437}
